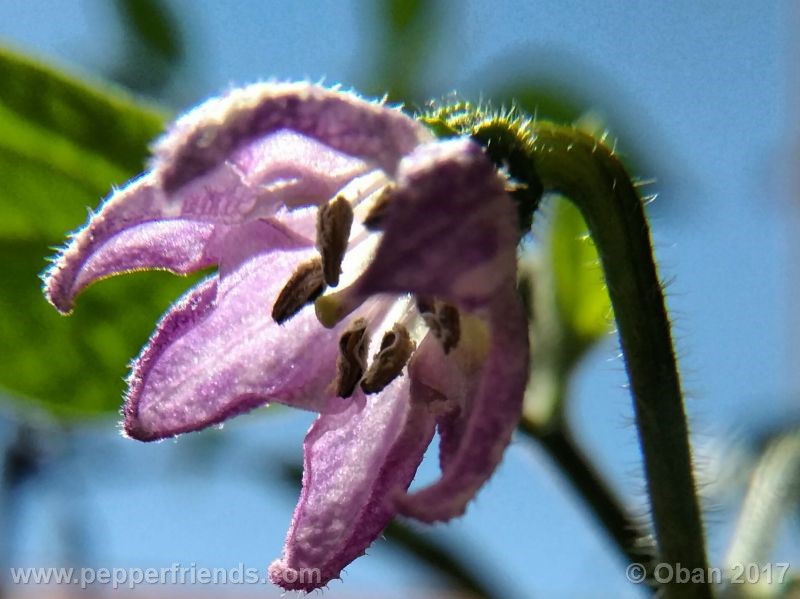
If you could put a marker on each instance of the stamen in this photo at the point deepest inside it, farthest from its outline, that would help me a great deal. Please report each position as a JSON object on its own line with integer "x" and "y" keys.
{"x": 333, "y": 307}
{"x": 304, "y": 286}
{"x": 352, "y": 359}
{"x": 426, "y": 307}
{"x": 450, "y": 324}
{"x": 442, "y": 319}
{"x": 377, "y": 214}
{"x": 334, "y": 221}
{"x": 388, "y": 363}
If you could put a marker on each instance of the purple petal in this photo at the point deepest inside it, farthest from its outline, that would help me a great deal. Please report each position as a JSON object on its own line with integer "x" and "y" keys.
{"x": 355, "y": 462}
{"x": 450, "y": 228}
{"x": 281, "y": 169}
{"x": 294, "y": 170}
{"x": 138, "y": 227}
{"x": 241, "y": 157}
{"x": 212, "y": 358}
{"x": 129, "y": 232}
{"x": 475, "y": 441}
{"x": 136, "y": 203}
{"x": 178, "y": 246}
{"x": 451, "y": 381}
{"x": 215, "y": 131}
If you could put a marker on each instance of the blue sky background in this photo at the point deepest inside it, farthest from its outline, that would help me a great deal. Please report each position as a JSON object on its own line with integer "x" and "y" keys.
{"x": 704, "y": 89}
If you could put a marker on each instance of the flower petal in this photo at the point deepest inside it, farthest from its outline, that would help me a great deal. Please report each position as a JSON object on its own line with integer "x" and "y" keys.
{"x": 355, "y": 462}
{"x": 450, "y": 229}
{"x": 451, "y": 381}
{"x": 137, "y": 227}
{"x": 280, "y": 169}
{"x": 178, "y": 246}
{"x": 476, "y": 439}
{"x": 244, "y": 156}
{"x": 132, "y": 205}
{"x": 212, "y": 133}
{"x": 212, "y": 358}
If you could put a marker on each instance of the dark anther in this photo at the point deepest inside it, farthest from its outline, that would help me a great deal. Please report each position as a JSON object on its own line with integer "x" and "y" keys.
{"x": 305, "y": 285}
{"x": 377, "y": 214}
{"x": 352, "y": 357}
{"x": 442, "y": 319}
{"x": 426, "y": 307}
{"x": 388, "y": 363}
{"x": 450, "y": 324}
{"x": 334, "y": 221}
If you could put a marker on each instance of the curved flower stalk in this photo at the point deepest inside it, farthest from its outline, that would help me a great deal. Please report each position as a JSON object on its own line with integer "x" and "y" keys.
{"x": 292, "y": 190}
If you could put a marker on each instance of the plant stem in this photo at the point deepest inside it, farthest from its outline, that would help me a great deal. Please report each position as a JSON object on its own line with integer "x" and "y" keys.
{"x": 634, "y": 543}
{"x": 573, "y": 163}
{"x": 774, "y": 485}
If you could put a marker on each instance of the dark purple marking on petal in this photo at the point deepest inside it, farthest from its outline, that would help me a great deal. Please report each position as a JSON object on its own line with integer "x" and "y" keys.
{"x": 355, "y": 462}
{"x": 450, "y": 230}
{"x": 489, "y": 423}
{"x": 228, "y": 356}
{"x": 281, "y": 169}
{"x": 295, "y": 170}
{"x": 214, "y": 131}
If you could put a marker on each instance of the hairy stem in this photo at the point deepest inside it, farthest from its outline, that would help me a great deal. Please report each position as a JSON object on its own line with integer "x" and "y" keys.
{"x": 587, "y": 172}
{"x": 631, "y": 540}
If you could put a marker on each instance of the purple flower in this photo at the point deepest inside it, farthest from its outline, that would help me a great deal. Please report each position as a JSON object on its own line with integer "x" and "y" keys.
{"x": 288, "y": 188}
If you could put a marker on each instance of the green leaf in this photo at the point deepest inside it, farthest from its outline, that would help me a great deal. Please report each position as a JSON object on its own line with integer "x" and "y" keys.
{"x": 74, "y": 365}
{"x": 63, "y": 145}
{"x": 154, "y": 25}
{"x": 407, "y": 31}
{"x": 582, "y": 301}
{"x": 151, "y": 48}
{"x": 98, "y": 121}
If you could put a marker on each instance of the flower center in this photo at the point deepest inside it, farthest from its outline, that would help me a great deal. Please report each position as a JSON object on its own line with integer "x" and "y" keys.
{"x": 442, "y": 319}
{"x": 347, "y": 232}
